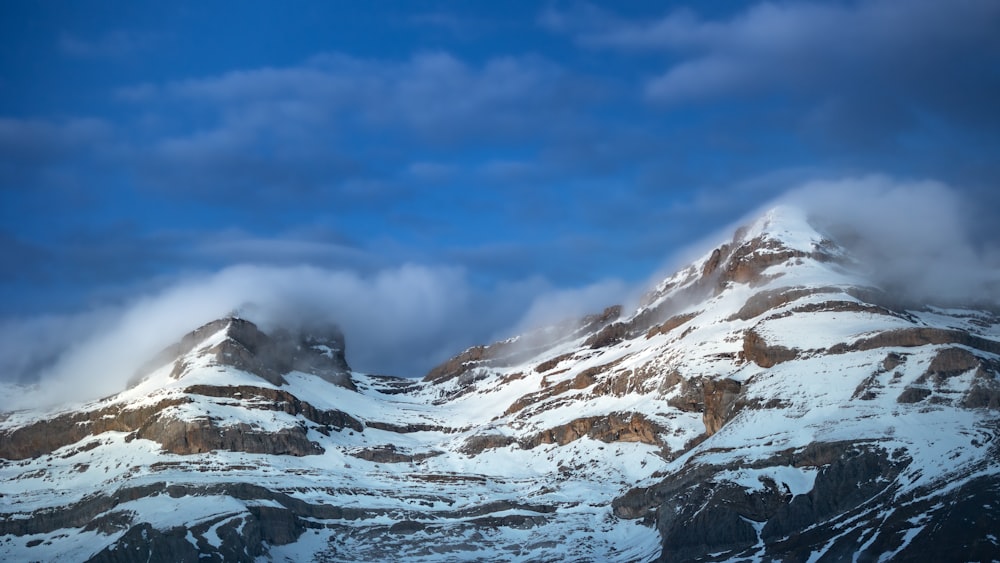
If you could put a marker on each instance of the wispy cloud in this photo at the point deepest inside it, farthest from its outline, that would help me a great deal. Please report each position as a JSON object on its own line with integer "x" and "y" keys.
{"x": 116, "y": 44}
{"x": 33, "y": 144}
{"x": 335, "y": 120}
{"x": 878, "y": 66}
{"x": 437, "y": 95}
{"x": 400, "y": 321}
{"x": 914, "y": 238}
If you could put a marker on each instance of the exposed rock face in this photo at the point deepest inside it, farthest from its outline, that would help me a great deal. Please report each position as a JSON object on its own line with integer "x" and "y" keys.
{"x": 46, "y": 436}
{"x": 934, "y": 384}
{"x": 510, "y": 352}
{"x": 477, "y": 444}
{"x": 758, "y": 351}
{"x": 242, "y": 535}
{"x": 670, "y": 324}
{"x": 703, "y": 516}
{"x": 608, "y": 336}
{"x": 584, "y": 379}
{"x": 765, "y": 301}
{"x": 985, "y": 390}
{"x": 617, "y": 427}
{"x": 244, "y": 347}
{"x": 913, "y": 337}
{"x": 913, "y": 395}
{"x": 720, "y": 402}
{"x": 751, "y": 258}
{"x": 159, "y": 422}
{"x": 317, "y": 351}
{"x": 145, "y": 543}
{"x": 180, "y": 436}
{"x": 690, "y": 394}
{"x": 465, "y": 361}
{"x": 388, "y": 453}
{"x": 950, "y": 362}
{"x": 278, "y": 400}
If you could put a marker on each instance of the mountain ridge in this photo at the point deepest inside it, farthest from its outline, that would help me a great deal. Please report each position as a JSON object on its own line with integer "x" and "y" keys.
{"x": 765, "y": 402}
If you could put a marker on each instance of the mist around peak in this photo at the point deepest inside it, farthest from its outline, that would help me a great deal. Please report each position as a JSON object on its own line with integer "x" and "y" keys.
{"x": 399, "y": 321}
{"x": 911, "y": 238}
{"x": 920, "y": 240}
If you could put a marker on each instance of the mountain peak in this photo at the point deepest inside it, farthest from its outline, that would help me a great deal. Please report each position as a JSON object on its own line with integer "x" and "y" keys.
{"x": 239, "y": 343}
{"x": 785, "y": 224}
{"x": 776, "y": 244}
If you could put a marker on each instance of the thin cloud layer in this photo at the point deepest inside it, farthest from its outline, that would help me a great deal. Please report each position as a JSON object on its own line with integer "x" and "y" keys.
{"x": 114, "y": 44}
{"x": 881, "y": 65}
{"x": 399, "y": 321}
{"x": 313, "y": 127}
{"x": 912, "y": 237}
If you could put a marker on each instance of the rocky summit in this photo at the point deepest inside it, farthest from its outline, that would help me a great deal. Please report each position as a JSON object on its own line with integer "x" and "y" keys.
{"x": 767, "y": 402}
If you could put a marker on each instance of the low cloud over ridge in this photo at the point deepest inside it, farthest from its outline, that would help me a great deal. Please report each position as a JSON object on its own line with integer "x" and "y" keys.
{"x": 911, "y": 235}
{"x": 398, "y": 321}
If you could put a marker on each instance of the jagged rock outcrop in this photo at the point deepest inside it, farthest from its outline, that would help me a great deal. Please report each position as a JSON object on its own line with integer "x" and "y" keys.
{"x": 670, "y": 324}
{"x": 466, "y": 361}
{"x": 389, "y": 453}
{"x": 201, "y": 435}
{"x": 950, "y": 362}
{"x": 582, "y": 380}
{"x": 46, "y": 436}
{"x": 702, "y": 515}
{"x": 720, "y": 402}
{"x": 913, "y": 337}
{"x": 758, "y": 351}
{"x": 318, "y": 351}
{"x": 616, "y": 427}
{"x": 262, "y": 398}
{"x": 160, "y": 423}
{"x": 510, "y": 352}
{"x": 608, "y": 336}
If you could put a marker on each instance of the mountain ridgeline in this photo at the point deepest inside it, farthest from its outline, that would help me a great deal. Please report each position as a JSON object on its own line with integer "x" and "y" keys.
{"x": 767, "y": 402}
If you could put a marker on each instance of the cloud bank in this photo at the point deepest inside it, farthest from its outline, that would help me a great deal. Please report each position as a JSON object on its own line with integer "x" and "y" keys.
{"x": 398, "y": 321}
{"x": 868, "y": 71}
{"x": 911, "y": 237}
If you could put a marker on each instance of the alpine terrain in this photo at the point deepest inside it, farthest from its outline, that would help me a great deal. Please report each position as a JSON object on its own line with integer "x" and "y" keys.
{"x": 767, "y": 402}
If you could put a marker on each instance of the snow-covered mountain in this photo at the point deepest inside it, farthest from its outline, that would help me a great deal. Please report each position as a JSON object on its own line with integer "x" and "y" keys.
{"x": 766, "y": 402}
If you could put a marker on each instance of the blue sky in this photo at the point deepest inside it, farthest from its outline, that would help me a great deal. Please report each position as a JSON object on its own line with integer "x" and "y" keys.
{"x": 513, "y": 149}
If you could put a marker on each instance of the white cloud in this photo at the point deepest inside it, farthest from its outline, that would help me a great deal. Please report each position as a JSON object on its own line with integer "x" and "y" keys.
{"x": 399, "y": 321}
{"x": 881, "y": 64}
{"x": 333, "y": 119}
{"x": 913, "y": 237}
{"x": 434, "y": 94}
{"x": 561, "y": 304}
